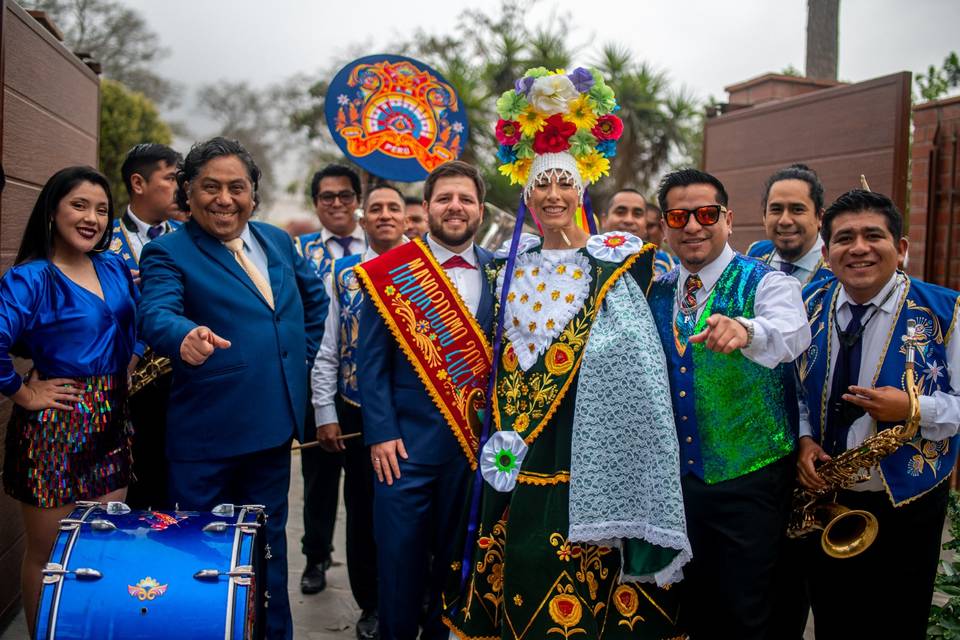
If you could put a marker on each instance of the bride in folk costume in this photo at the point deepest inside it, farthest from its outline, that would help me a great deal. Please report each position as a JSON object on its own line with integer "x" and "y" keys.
{"x": 575, "y": 517}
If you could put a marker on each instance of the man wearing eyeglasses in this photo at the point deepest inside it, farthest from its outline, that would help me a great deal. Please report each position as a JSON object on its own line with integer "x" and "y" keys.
{"x": 731, "y": 326}
{"x": 335, "y": 190}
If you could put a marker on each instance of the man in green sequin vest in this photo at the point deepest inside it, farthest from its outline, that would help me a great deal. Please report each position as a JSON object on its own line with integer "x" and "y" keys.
{"x": 731, "y": 327}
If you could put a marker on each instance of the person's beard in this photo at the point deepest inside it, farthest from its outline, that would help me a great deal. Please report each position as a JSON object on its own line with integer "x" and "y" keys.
{"x": 437, "y": 232}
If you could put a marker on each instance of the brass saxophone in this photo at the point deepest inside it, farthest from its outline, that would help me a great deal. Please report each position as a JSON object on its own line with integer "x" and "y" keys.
{"x": 849, "y": 532}
{"x": 151, "y": 367}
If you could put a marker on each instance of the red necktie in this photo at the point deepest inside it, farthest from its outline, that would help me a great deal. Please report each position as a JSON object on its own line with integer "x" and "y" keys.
{"x": 457, "y": 262}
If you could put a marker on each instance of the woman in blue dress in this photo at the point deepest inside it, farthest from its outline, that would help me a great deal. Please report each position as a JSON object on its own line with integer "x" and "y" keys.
{"x": 70, "y": 306}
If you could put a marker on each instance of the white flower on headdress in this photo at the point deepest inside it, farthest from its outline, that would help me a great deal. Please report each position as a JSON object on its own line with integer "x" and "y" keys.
{"x": 551, "y": 94}
{"x": 501, "y": 458}
{"x": 613, "y": 246}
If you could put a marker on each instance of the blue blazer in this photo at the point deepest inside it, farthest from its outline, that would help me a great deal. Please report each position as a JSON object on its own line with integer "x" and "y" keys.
{"x": 394, "y": 402}
{"x": 251, "y": 396}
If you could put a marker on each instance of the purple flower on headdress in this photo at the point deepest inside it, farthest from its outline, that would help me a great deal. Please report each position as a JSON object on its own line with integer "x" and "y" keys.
{"x": 523, "y": 85}
{"x": 582, "y": 79}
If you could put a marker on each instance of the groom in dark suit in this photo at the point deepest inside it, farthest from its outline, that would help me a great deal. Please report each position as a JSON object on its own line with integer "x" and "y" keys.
{"x": 421, "y": 470}
{"x": 240, "y": 313}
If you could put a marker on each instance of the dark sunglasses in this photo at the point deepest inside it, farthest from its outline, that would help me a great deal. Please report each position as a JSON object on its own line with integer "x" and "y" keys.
{"x": 346, "y": 197}
{"x": 706, "y": 215}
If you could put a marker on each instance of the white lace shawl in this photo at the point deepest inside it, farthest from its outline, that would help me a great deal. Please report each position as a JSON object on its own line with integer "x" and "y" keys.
{"x": 625, "y": 467}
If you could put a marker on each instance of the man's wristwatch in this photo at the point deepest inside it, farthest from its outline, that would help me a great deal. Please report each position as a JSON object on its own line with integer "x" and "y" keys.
{"x": 748, "y": 325}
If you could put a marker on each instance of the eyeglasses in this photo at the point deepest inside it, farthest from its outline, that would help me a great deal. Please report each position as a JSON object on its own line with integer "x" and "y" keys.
{"x": 706, "y": 215}
{"x": 346, "y": 197}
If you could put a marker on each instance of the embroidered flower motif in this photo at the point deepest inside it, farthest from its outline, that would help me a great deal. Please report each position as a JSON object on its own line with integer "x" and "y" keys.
{"x": 501, "y": 459}
{"x": 423, "y": 326}
{"x": 565, "y": 610}
{"x": 389, "y": 290}
{"x": 613, "y": 246}
{"x": 442, "y": 374}
{"x": 934, "y": 371}
{"x": 509, "y": 359}
{"x": 518, "y": 600}
{"x": 522, "y": 422}
{"x": 625, "y": 600}
{"x": 496, "y": 577}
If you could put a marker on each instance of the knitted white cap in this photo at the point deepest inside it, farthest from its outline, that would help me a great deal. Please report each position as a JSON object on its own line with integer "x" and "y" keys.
{"x": 553, "y": 164}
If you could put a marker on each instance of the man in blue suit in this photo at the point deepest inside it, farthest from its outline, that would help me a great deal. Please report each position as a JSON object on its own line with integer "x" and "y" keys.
{"x": 421, "y": 470}
{"x": 240, "y": 313}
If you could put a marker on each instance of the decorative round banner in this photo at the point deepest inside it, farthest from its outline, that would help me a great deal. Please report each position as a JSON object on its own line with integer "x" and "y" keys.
{"x": 395, "y": 117}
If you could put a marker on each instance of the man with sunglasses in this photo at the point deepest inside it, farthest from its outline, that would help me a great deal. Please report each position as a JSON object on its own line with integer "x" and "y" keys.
{"x": 731, "y": 326}
{"x": 335, "y": 190}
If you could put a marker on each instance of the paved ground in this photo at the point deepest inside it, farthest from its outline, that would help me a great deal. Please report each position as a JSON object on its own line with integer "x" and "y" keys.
{"x": 326, "y": 616}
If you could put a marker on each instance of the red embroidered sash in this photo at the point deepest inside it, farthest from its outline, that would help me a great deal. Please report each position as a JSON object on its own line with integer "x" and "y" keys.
{"x": 436, "y": 331}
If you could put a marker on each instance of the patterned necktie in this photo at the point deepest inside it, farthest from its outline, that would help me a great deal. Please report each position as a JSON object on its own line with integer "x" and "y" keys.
{"x": 841, "y": 414}
{"x": 787, "y": 267}
{"x": 457, "y": 262}
{"x": 261, "y": 283}
{"x": 154, "y": 232}
{"x": 686, "y": 315}
{"x": 344, "y": 242}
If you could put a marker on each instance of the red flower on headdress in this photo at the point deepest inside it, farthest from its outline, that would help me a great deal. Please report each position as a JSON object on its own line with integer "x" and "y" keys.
{"x": 608, "y": 127}
{"x": 508, "y": 132}
{"x": 555, "y": 136}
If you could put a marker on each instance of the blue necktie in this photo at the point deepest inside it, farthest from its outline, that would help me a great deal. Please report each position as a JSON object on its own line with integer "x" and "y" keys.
{"x": 154, "y": 232}
{"x": 345, "y": 243}
{"x": 840, "y": 413}
{"x": 787, "y": 267}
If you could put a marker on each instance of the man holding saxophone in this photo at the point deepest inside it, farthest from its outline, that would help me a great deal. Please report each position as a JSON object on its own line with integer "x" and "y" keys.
{"x": 853, "y": 385}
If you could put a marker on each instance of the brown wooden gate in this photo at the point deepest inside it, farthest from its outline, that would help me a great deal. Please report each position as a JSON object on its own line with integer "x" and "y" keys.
{"x": 839, "y": 131}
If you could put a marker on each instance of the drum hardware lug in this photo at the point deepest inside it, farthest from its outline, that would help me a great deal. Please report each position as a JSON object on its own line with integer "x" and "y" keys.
{"x": 225, "y": 510}
{"x": 240, "y": 574}
{"x": 99, "y": 524}
{"x": 113, "y": 508}
{"x": 53, "y": 572}
{"x": 219, "y": 526}
{"x": 255, "y": 508}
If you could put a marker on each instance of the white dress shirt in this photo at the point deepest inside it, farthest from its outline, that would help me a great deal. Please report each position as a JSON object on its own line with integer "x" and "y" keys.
{"x": 324, "y": 376}
{"x": 780, "y": 329}
{"x": 253, "y": 250}
{"x": 139, "y": 239}
{"x": 939, "y": 413}
{"x": 358, "y": 242}
{"x": 806, "y": 265}
{"x": 468, "y": 282}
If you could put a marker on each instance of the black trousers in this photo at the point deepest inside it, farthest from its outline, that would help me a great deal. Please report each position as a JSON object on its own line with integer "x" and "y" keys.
{"x": 321, "y": 475}
{"x": 148, "y": 413}
{"x": 358, "y": 498}
{"x": 736, "y": 529}
{"x": 885, "y": 592}
{"x": 321, "y": 493}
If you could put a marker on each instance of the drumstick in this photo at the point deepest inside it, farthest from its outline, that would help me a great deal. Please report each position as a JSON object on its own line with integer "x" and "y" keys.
{"x": 315, "y": 443}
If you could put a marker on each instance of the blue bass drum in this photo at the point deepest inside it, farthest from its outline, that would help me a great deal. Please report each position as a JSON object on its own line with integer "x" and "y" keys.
{"x": 116, "y": 573}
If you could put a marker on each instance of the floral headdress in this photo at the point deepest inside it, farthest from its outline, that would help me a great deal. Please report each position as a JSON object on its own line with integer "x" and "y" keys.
{"x": 557, "y": 123}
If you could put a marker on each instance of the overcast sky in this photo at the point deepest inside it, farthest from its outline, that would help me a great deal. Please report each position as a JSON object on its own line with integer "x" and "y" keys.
{"x": 703, "y": 45}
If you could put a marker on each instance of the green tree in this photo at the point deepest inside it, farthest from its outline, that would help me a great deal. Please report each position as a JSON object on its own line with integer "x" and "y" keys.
{"x": 115, "y": 36}
{"x": 936, "y": 83}
{"x": 127, "y": 118}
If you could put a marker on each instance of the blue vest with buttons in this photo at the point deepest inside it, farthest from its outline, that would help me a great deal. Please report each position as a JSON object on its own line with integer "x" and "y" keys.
{"x": 350, "y": 297}
{"x": 920, "y": 465}
{"x": 733, "y": 416}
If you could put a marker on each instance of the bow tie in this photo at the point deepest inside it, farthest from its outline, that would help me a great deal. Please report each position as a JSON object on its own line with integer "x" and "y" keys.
{"x": 457, "y": 262}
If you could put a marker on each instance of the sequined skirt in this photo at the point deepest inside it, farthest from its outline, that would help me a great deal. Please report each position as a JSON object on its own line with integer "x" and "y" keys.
{"x": 55, "y": 457}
